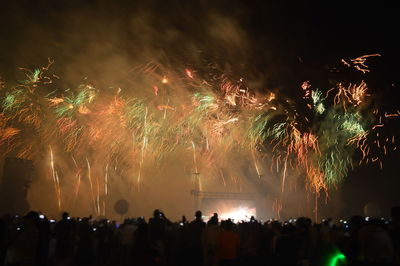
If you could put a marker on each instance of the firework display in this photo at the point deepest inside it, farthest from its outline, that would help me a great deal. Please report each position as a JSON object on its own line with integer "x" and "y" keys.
{"x": 123, "y": 131}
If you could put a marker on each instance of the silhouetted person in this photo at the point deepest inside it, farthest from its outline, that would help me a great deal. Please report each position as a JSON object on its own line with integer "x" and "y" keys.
{"x": 214, "y": 217}
{"x": 250, "y": 240}
{"x": 157, "y": 227}
{"x": 44, "y": 241}
{"x": 209, "y": 240}
{"x": 127, "y": 230}
{"x": 141, "y": 247}
{"x": 302, "y": 240}
{"x": 85, "y": 256}
{"x": 28, "y": 240}
{"x": 228, "y": 244}
{"x": 193, "y": 244}
{"x": 352, "y": 250}
{"x": 184, "y": 220}
{"x": 104, "y": 243}
{"x": 64, "y": 238}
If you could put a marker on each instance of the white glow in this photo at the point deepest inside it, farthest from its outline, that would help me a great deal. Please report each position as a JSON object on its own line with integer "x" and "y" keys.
{"x": 238, "y": 214}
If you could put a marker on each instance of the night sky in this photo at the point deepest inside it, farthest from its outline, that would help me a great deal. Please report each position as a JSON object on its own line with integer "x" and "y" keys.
{"x": 280, "y": 44}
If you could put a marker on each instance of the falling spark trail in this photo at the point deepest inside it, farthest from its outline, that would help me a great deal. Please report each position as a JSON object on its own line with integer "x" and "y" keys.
{"x": 277, "y": 207}
{"x": 284, "y": 173}
{"x": 143, "y": 150}
{"x": 91, "y": 184}
{"x": 255, "y": 164}
{"x": 55, "y": 179}
{"x": 194, "y": 158}
{"x": 78, "y": 182}
{"x": 222, "y": 176}
{"x": 106, "y": 182}
{"x": 105, "y": 190}
{"x": 98, "y": 195}
{"x": 196, "y": 171}
{"x": 165, "y": 110}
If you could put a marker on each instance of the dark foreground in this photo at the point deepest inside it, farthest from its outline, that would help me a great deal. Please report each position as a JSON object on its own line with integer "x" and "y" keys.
{"x": 35, "y": 240}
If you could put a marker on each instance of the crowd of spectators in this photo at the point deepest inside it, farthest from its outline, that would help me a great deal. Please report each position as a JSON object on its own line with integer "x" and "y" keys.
{"x": 34, "y": 240}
